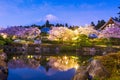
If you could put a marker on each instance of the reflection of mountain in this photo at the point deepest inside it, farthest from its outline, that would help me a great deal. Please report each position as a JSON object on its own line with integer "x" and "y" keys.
{"x": 39, "y": 74}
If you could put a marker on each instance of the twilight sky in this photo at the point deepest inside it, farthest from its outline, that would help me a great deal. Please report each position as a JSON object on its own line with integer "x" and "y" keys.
{"x": 73, "y": 12}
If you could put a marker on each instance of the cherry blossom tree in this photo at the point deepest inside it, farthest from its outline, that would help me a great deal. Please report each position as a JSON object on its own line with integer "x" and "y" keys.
{"x": 65, "y": 34}
{"x": 87, "y": 30}
{"x": 22, "y": 32}
{"x": 61, "y": 33}
{"x": 110, "y": 32}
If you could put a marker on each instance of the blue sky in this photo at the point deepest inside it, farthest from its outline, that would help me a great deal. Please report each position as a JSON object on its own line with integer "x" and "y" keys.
{"x": 73, "y": 12}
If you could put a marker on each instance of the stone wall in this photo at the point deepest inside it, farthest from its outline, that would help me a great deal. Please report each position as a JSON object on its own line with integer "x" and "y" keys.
{"x": 40, "y": 49}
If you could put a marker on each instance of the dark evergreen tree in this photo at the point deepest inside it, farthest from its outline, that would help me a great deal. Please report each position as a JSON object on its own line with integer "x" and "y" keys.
{"x": 100, "y": 24}
{"x": 61, "y": 25}
{"x": 119, "y": 15}
{"x": 66, "y": 25}
{"x": 92, "y": 23}
{"x": 117, "y": 18}
{"x": 47, "y": 24}
{"x": 57, "y": 25}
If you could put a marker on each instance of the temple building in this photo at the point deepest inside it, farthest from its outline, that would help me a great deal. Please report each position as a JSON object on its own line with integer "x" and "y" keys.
{"x": 111, "y": 22}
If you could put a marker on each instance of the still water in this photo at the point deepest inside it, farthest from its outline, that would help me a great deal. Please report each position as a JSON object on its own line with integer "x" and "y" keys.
{"x": 36, "y": 67}
{"x": 39, "y": 74}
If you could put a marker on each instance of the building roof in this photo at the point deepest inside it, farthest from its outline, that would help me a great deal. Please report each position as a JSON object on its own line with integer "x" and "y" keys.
{"x": 110, "y": 21}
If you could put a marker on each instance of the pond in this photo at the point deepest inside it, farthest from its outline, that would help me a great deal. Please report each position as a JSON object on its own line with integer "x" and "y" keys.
{"x": 39, "y": 74}
{"x": 37, "y": 67}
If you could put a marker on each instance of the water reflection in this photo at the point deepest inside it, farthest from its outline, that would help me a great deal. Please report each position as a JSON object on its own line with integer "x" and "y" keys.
{"x": 40, "y": 74}
{"x": 23, "y": 62}
{"x": 37, "y": 67}
{"x": 63, "y": 63}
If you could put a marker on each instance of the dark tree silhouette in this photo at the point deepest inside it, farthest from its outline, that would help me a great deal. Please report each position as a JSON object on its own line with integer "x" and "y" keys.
{"x": 99, "y": 24}
{"x": 92, "y": 23}
{"x": 66, "y": 25}
{"x": 117, "y": 18}
{"x": 57, "y": 25}
{"x": 47, "y": 24}
{"x": 119, "y": 15}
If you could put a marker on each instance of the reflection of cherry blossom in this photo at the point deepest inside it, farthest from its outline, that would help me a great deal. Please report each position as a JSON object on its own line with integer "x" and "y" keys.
{"x": 62, "y": 63}
{"x": 23, "y": 62}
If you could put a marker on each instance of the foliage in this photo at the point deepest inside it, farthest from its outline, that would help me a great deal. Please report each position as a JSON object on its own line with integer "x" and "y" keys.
{"x": 4, "y": 41}
{"x": 65, "y": 48}
{"x": 8, "y": 41}
{"x": 51, "y": 42}
{"x": 83, "y": 40}
{"x": 114, "y": 41}
{"x": 23, "y": 41}
{"x": 100, "y": 41}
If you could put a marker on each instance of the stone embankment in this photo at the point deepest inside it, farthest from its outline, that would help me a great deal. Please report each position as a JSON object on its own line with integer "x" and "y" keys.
{"x": 94, "y": 70}
{"x": 3, "y": 66}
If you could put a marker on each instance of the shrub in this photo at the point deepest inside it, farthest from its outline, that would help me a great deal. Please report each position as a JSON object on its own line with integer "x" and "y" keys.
{"x": 68, "y": 48}
{"x": 83, "y": 40}
{"x": 2, "y": 42}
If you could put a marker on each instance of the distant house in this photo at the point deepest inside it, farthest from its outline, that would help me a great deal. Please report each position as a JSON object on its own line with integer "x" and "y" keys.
{"x": 111, "y": 22}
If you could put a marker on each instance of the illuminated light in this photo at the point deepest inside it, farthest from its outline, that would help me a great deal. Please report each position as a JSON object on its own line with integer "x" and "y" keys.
{"x": 76, "y": 32}
{"x": 76, "y": 66}
{"x": 31, "y": 56}
{"x": 28, "y": 56}
{"x": 47, "y": 59}
{"x": 3, "y": 35}
{"x": 17, "y": 57}
{"x": 75, "y": 38}
{"x": 14, "y": 57}
{"x": 66, "y": 62}
{"x": 14, "y": 37}
{"x": 65, "y": 57}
